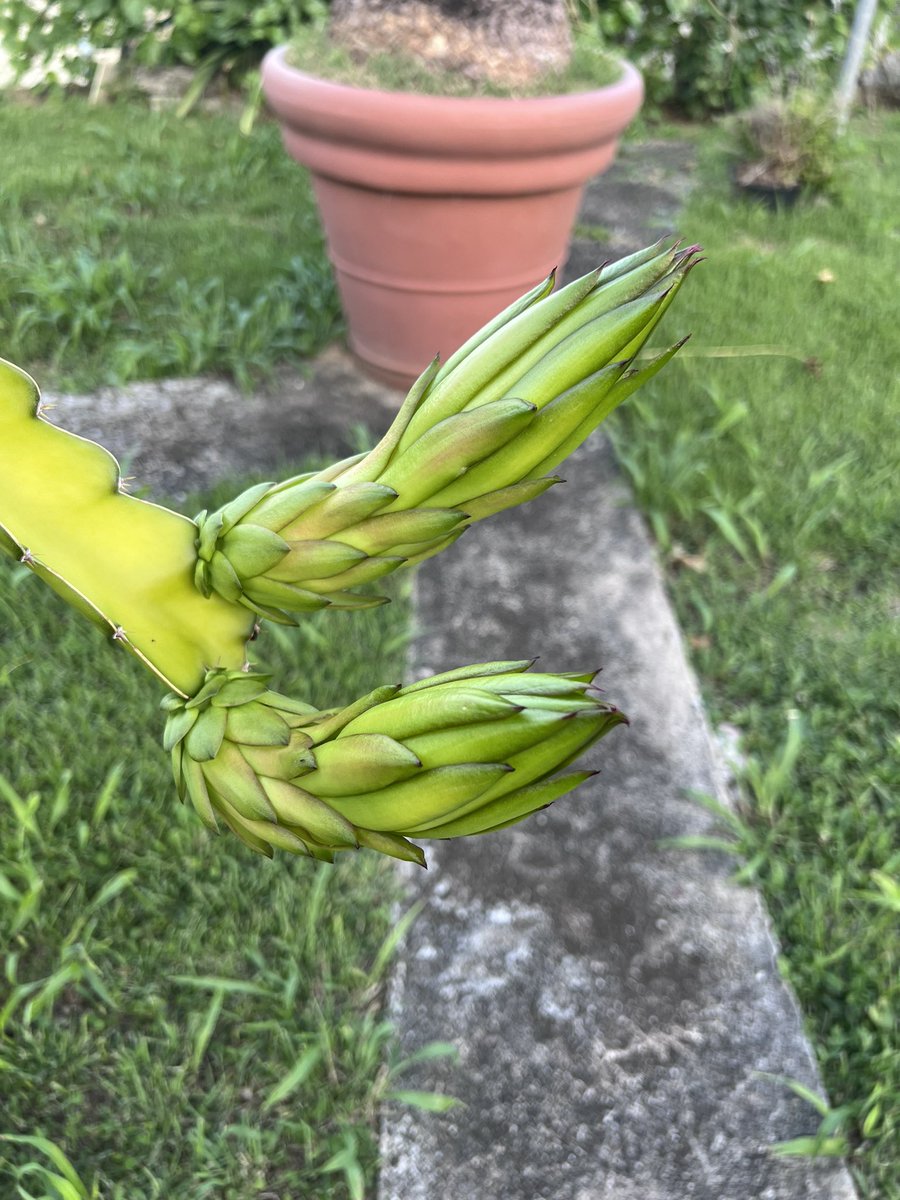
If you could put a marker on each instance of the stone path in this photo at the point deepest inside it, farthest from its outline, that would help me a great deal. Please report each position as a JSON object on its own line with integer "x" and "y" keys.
{"x": 616, "y": 1005}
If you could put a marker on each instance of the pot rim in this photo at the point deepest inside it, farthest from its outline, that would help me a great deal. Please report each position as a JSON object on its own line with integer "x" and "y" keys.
{"x": 557, "y": 124}
{"x": 275, "y": 65}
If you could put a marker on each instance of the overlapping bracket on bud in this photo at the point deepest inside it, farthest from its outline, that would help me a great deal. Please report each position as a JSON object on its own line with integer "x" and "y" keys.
{"x": 478, "y": 435}
{"x": 469, "y": 751}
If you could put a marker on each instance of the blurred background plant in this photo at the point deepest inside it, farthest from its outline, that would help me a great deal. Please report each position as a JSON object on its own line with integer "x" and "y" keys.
{"x": 789, "y": 142}
{"x": 697, "y": 57}
{"x": 216, "y": 35}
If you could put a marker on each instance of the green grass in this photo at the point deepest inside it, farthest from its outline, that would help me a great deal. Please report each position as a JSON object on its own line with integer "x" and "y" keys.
{"x": 180, "y": 1018}
{"x": 771, "y": 483}
{"x": 134, "y": 245}
{"x": 311, "y": 50}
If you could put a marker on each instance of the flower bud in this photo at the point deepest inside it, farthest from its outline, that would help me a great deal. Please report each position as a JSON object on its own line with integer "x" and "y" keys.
{"x": 476, "y": 436}
{"x": 466, "y": 752}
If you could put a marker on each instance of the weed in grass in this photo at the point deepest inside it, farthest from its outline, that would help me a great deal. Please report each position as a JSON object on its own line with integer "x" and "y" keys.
{"x": 65, "y": 1181}
{"x": 76, "y": 304}
{"x": 828, "y": 1141}
{"x": 674, "y": 478}
{"x": 209, "y": 330}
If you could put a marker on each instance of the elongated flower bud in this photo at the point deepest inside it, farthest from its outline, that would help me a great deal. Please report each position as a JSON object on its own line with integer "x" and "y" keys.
{"x": 466, "y": 752}
{"x": 473, "y": 437}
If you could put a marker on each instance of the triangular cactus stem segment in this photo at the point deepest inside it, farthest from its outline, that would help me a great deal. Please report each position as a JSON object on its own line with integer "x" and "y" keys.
{"x": 125, "y": 563}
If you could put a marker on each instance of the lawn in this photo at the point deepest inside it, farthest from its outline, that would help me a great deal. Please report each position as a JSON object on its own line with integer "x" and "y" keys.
{"x": 134, "y": 245}
{"x": 771, "y": 483}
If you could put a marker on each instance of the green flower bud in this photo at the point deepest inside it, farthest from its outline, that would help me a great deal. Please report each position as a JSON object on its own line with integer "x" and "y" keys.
{"x": 475, "y": 436}
{"x": 466, "y": 752}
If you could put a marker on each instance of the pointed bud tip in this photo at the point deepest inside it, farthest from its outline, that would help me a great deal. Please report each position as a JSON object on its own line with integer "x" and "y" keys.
{"x": 686, "y": 259}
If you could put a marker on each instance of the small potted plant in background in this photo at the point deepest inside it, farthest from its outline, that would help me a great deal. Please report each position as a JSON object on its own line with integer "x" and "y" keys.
{"x": 440, "y": 209}
{"x": 786, "y": 147}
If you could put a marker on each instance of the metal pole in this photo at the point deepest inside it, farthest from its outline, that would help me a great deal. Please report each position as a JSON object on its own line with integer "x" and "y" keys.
{"x": 859, "y": 36}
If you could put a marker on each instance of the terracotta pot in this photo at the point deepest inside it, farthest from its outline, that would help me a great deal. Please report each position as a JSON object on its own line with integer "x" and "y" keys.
{"x": 439, "y": 211}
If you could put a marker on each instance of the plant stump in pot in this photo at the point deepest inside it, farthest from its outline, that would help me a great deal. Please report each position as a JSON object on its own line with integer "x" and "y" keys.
{"x": 786, "y": 147}
{"x": 439, "y": 210}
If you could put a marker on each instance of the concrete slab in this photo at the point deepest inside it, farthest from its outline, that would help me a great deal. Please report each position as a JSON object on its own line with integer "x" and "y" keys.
{"x": 616, "y": 1005}
{"x": 173, "y": 437}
